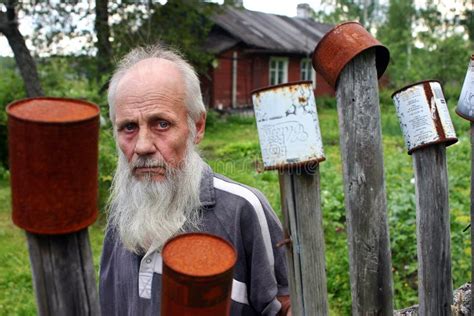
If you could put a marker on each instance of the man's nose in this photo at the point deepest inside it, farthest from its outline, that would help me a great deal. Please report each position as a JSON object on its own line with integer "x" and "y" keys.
{"x": 144, "y": 144}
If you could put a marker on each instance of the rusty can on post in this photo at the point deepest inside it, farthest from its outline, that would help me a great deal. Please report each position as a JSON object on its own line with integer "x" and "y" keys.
{"x": 340, "y": 45}
{"x": 197, "y": 275}
{"x": 465, "y": 107}
{"x": 424, "y": 115}
{"x": 288, "y": 126}
{"x": 53, "y": 151}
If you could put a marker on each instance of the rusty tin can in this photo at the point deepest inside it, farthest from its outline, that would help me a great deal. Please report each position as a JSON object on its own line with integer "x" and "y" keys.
{"x": 424, "y": 115}
{"x": 197, "y": 275}
{"x": 465, "y": 107}
{"x": 340, "y": 45}
{"x": 53, "y": 149}
{"x": 288, "y": 126}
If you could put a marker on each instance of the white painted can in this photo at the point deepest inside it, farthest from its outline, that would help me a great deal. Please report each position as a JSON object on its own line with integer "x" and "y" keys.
{"x": 288, "y": 126}
{"x": 465, "y": 106}
{"x": 424, "y": 115}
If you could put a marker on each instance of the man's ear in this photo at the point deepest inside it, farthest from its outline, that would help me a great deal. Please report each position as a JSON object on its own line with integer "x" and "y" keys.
{"x": 200, "y": 128}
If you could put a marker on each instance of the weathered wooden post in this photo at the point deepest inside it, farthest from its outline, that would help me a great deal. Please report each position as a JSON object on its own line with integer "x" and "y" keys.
{"x": 427, "y": 128}
{"x": 465, "y": 109}
{"x": 351, "y": 60}
{"x": 290, "y": 140}
{"x": 53, "y": 147}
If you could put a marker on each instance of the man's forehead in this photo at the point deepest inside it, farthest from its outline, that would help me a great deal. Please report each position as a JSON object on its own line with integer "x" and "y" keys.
{"x": 158, "y": 70}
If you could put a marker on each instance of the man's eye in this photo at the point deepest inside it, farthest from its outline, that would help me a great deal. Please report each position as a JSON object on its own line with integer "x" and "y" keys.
{"x": 129, "y": 127}
{"x": 163, "y": 125}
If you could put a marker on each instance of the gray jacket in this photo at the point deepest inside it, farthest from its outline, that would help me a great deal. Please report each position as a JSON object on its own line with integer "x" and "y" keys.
{"x": 131, "y": 284}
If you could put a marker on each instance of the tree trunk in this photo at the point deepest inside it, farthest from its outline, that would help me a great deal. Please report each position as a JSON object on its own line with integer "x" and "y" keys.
{"x": 23, "y": 58}
{"x": 102, "y": 29}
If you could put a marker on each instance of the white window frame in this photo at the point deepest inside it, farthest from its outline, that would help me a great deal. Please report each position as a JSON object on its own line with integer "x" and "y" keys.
{"x": 309, "y": 64}
{"x": 275, "y": 70}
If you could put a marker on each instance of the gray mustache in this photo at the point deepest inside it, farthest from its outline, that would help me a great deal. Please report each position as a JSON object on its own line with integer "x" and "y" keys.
{"x": 148, "y": 163}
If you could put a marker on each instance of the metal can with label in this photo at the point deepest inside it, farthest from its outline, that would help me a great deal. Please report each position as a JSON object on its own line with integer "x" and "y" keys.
{"x": 465, "y": 107}
{"x": 288, "y": 126}
{"x": 424, "y": 115}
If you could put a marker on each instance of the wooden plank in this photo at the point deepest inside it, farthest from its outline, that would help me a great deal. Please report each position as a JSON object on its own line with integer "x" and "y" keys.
{"x": 292, "y": 254}
{"x": 472, "y": 217}
{"x": 364, "y": 187}
{"x": 301, "y": 203}
{"x": 63, "y": 274}
{"x": 433, "y": 230}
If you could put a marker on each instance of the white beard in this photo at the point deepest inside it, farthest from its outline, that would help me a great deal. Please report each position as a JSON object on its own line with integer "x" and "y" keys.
{"x": 147, "y": 213}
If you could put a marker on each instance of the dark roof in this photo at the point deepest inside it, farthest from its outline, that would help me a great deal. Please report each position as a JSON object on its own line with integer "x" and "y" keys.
{"x": 264, "y": 31}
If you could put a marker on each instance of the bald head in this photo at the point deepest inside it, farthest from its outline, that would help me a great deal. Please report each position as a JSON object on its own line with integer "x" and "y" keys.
{"x": 151, "y": 78}
{"x": 157, "y": 56}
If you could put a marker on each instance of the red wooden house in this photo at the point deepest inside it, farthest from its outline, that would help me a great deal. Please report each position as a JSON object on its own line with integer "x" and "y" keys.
{"x": 255, "y": 49}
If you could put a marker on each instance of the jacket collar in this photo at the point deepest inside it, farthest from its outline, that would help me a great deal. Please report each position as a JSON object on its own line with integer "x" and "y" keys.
{"x": 207, "y": 194}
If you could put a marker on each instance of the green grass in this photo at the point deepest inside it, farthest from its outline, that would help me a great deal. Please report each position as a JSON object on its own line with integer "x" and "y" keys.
{"x": 231, "y": 148}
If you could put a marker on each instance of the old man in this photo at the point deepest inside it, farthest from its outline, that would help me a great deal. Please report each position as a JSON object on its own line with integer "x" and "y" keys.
{"x": 162, "y": 187}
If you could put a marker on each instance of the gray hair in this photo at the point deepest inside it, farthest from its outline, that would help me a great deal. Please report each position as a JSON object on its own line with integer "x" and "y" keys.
{"x": 193, "y": 97}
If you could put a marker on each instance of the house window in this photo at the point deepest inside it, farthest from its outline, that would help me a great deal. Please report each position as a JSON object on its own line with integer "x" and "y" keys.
{"x": 278, "y": 70}
{"x": 306, "y": 70}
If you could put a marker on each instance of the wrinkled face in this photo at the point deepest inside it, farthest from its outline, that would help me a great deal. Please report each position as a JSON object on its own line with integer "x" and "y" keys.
{"x": 151, "y": 116}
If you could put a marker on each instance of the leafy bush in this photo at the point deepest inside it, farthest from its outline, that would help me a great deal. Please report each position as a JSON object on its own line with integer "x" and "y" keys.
{"x": 107, "y": 163}
{"x": 11, "y": 88}
{"x": 326, "y": 102}
{"x": 211, "y": 119}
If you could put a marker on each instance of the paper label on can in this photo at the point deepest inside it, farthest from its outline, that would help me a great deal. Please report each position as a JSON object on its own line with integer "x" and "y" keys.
{"x": 466, "y": 99}
{"x": 288, "y": 126}
{"x": 415, "y": 117}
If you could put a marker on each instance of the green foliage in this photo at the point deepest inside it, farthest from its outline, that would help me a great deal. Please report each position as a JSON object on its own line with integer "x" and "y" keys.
{"x": 434, "y": 49}
{"x": 107, "y": 163}
{"x": 367, "y": 12}
{"x": 11, "y": 88}
{"x": 326, "y": 102}
{"x": 182, "y": 24}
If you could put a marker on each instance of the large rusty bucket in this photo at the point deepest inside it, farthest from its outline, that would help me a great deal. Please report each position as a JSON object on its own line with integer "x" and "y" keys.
{"x": 53, "y": 148}
{"x": 197, "y": 275}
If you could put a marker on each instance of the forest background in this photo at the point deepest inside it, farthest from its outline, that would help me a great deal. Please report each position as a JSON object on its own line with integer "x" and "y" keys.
{"x": 60, "y": 57}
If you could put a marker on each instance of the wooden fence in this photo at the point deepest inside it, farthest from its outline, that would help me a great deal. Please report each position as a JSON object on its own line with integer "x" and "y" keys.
{"x": 365, "y": 199}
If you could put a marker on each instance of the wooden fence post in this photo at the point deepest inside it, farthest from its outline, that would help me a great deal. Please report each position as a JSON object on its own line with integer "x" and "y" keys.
{"x": 290, "y": 140}
{"x": 351, "y": 60}
{"x": 432, "y": 230}
{"x": 63, "y": 274}
{"x": 364, "y": 187}
{"x": 301, "y": 206}
{"x": 427, "y": 128}
{"x": 472, "y": 217}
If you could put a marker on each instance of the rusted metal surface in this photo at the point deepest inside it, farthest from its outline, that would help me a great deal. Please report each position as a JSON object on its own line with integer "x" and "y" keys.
{"x": 424, "y": 115}
{"x": 53, "y": 146}
{"x": 465, "y": 107}
{"x": 197, "y": 275}
{"x": 288, "y": 126}
{"x": 340, "y": 45}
